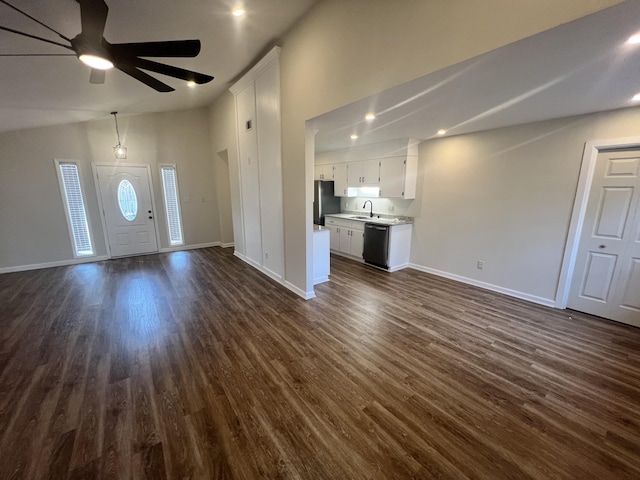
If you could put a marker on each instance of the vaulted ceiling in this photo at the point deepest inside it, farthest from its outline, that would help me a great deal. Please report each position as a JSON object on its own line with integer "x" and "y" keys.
{"x": 38, "y": 91}
{"x": 580, "y": 67}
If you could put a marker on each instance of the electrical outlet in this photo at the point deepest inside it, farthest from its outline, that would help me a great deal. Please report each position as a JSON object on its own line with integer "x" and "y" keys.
{"x": 391, "y": 208}
{"x": 480, "y": 264}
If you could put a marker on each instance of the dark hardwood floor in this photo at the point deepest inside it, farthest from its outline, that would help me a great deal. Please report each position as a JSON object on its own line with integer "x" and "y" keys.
{"x": 193, "y": 365}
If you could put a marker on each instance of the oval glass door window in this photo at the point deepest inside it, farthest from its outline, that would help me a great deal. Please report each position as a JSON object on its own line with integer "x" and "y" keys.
{"x": 127, "y": 200}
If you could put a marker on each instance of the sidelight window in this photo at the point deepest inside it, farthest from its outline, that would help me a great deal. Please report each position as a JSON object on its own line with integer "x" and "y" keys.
{"x": 73, "y": 198}
{"x": 172, "y": 203}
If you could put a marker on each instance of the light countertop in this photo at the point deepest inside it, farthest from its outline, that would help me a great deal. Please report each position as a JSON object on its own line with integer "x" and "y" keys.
{"x": 379, "y": 219}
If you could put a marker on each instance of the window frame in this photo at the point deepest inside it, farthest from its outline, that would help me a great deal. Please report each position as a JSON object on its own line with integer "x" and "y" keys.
{"x": 65, "y": 201}
{"x": 173, "y": 167}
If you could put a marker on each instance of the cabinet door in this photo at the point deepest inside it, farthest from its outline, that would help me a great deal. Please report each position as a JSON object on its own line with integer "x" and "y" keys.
{"x": 357, "y": 243}
{"x": 392, "y": 177}
{"x": 354, "y": 174}
{"x": 370, "y": 172}
{"x": 345, "y": 240}
{"x": 327, "y": 172}
{"x": 340, "y": 180}
{"x": 334, "y": 237}
{"x": 323, "y": 172}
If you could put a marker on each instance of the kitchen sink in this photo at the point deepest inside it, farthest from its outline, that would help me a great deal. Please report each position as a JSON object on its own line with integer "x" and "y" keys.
{"x": 360, "y": 217}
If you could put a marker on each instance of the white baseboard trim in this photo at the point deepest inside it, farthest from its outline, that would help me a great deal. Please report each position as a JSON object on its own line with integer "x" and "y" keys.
{"x": 227, "y": 245}
{"x": 299, "y": 291}
{"x": 399, "y": 267}
{"x": 60, "y": 263}
{"x": 189, "y": 247}
{"x": 548, "y": 302}
{"x": 319, "y": 280}
{"x": 276, "y": 278}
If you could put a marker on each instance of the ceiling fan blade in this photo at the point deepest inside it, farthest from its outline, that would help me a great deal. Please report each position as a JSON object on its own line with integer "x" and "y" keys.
{"x": 172, "y": 71}
{"x": 172, "y": 48}
{"x": 37, "y": 54}
{"x": 148, "y": 80}
{"x": 35, "y": 37}
{"x": 97, "y": 76}
{"x": 93, "y": 16}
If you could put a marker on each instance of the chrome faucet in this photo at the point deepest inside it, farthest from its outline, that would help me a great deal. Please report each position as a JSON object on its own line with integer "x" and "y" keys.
{"x": 365, "y": 206}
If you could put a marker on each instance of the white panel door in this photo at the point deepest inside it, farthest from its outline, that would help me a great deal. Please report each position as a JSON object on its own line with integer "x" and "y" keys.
{"x": 249, "y": 173}
{"x": 128, "y": 210}
{"x": 606, "y": 279}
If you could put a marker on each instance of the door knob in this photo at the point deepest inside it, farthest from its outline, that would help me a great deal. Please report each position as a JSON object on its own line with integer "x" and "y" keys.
{"x": 150, "y": 217}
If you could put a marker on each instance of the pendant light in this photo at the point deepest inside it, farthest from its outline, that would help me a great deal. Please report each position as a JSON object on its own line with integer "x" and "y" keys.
{"x": 119, "y": 149}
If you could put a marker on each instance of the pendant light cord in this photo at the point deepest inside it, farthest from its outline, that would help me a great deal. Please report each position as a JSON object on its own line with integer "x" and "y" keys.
{"x": 115, "y": 116}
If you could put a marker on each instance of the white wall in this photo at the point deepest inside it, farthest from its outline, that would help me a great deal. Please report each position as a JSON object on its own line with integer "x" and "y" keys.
{"x": 344, "y": 50}
{"x": 505, "y": 196}
{"x": 33, "y": 227}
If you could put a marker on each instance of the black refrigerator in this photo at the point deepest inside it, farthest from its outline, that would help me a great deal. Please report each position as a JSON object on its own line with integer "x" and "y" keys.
{"x": 323, "y": 201}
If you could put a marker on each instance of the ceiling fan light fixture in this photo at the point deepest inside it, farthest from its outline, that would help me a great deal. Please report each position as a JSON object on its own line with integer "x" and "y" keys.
{"x": 191, "y": 84}
{"x": 238, "y": 12}
{"x": 95, "y": 61}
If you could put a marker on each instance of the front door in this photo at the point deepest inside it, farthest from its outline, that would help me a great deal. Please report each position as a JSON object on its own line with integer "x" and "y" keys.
{"x": 606, "y": 278}
{"x": 127, "y": 207}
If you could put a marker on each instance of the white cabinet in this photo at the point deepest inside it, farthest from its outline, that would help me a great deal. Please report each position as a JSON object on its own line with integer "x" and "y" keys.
{"x": 323, "y": 172}
{"x": 257, "y": 96}
{"x": 340, "y": 180}
{"x": 346, "y": 236}
{"x": 398, "y": 177}
{"x": 363, "y": 173}
{"x": 321, "y": 255}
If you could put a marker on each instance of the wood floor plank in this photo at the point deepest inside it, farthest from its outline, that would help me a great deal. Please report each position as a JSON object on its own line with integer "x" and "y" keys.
{"x": 194, "y": 365}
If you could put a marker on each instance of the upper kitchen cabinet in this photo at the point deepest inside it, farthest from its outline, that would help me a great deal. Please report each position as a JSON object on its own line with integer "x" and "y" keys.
{"x": 363, "y": 173}
{"x": 340, "y": 188}
{"x": 257, "y": 99}
{"x": 387, "y": 169}
{"x": 323, "y": 172}
{"x": 398, "y": 177}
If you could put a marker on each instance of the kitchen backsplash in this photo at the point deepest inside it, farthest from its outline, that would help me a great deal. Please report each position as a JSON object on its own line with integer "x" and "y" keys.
{"x": 381, "y": 206}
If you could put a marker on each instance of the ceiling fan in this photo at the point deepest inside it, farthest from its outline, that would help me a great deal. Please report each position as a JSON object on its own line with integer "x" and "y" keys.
{"x": 94, "y": 50}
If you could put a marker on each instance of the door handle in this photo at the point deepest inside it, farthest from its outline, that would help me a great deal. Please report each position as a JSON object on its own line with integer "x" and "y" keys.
{"x": 150, "y": 217}
{"x": 602, "y": 246}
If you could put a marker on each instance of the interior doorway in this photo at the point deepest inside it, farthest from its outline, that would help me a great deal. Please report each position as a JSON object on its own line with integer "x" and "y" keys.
{"x": 605, "y": 276}
{"x": 126, "y": 200}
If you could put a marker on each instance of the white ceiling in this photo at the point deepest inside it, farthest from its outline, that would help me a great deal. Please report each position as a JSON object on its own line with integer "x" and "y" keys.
{"x": 580, "y": 67}
{"x": 38, "y": 91}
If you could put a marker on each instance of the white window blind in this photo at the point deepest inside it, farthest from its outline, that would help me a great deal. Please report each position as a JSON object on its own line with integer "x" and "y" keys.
{"x": 172, "y": 204}
{"x": 76, "y": 212}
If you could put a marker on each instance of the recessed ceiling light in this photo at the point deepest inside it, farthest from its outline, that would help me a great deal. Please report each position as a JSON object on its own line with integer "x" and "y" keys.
{"x": 369, "y": 116}
{"x": 634, "y": 39}
{"x": 191, "y": 84}
{"x": 354, "y": 136}
{"x": 238, "y": 12}
{"x": 636, "y": 98}
{"x": 441, "y": 131}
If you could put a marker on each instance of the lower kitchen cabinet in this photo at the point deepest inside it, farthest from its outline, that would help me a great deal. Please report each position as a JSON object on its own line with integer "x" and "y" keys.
{"x": 346, "y": 236}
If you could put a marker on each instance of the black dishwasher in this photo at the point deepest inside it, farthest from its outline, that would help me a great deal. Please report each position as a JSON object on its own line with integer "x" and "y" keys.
{"x": 376, "y": 245}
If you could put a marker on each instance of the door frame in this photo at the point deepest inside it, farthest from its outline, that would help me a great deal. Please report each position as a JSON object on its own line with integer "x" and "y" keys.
{"x": 94, "y": 168}
{"x": 591, "y": 150}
